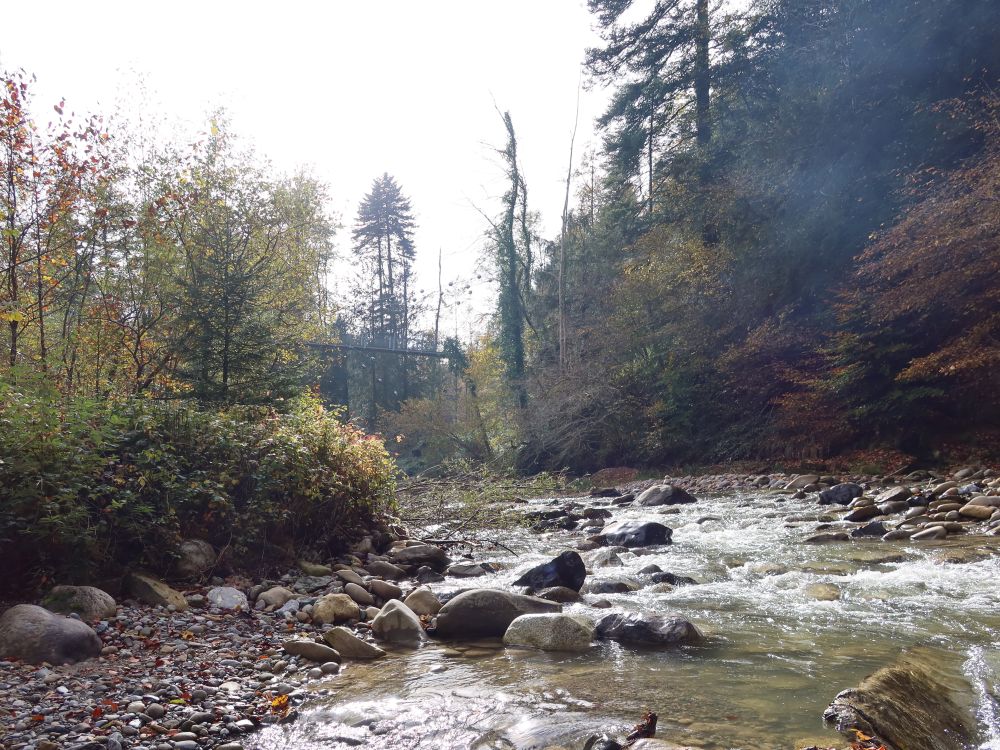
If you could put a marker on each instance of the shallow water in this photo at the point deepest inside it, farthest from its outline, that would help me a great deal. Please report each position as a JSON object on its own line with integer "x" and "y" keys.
{"x": 775, "y": 656}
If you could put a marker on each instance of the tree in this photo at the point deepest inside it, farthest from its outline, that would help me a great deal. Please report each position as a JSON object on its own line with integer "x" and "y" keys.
{"x": 245, "y": 298}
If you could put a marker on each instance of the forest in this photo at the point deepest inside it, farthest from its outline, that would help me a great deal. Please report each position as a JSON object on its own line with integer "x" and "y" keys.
{"x": 786, "y": 249}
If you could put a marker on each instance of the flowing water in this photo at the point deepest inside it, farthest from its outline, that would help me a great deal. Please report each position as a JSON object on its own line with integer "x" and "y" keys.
{"x": 775, "y": 657}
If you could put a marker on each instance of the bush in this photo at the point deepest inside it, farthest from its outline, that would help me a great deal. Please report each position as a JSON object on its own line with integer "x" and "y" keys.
{"x": 87, "y": 488}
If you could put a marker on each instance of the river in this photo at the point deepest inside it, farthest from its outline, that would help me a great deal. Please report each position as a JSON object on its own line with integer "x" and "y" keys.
{"x": 779, "y": 645}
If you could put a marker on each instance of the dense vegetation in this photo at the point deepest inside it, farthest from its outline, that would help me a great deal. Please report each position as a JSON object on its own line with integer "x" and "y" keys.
{"x": 787, "y": 248}
{"x": 157, "y": 305}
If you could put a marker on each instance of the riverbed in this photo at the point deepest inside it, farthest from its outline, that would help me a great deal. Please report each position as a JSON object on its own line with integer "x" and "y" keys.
{"x": 788, "y": 626}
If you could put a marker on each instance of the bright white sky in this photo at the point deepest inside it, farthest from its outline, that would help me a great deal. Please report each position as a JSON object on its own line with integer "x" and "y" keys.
{"x": 352, "y": 89}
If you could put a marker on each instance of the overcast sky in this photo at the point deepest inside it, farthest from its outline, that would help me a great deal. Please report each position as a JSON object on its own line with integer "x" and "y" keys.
{"x": 352, "y": 89}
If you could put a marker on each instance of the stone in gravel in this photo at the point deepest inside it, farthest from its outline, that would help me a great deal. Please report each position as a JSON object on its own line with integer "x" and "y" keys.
{"x": 358, "y": 594}
{"x": 892, "y": 495}
{"x": 155, "y": 711}
{"x": 550, "y": 632}
{"x": 421, "y": 554}
{"x": 427, "y": 574}
{"x": 385, "y": 590}
{"x": 664, "y": 494}
{"x": 334, "y": 608}
{"x": 840, "y": 494}
{"x": 350, "y": 646}
{"x": 152, "y": 590}
{"x": 276, "y": 596}
{"x": 486, "y": 612}
{"x": 466, "y": 570}
{"x": 330, "y": 667}
{"x": 875, "y": 528}
{"x": 385, "y": 569}
{"x": 566, "y": 569}
{"x": 310, "y": 650}
{"x": 349, "y": 576}
{"x": 34, "y": 635}
{"x": 829, "y": 536}
{"x": 636, "y": 533}
{"x": 423, "y": 602}
{"x": 315, "y": 569}
{"x": 226, "y": 597}
{"x": 897, "y": 534}
{"x": 863, "y": 513}
{"x": 978, "y": 512}
{"x": 645, "y": 629}
{"x": 195, "y": 557}
{"x": 397, "y": 623}
{"x": 88, "y": 602}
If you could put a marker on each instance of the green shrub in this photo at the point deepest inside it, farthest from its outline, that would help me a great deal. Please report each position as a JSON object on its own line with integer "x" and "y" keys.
{"x": 86, "y": 488}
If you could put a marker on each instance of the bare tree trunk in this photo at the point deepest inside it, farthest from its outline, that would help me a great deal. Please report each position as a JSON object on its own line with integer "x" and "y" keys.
{"x": 437, "y": 315}
{"x": 702, "y": 75}
{"x": 562, "y": 242}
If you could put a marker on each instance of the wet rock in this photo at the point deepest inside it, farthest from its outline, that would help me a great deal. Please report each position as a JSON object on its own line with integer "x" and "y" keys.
{"x": 802, "y": 481}
{"x": 977, "y": 512}
{"x": 611, "y": 585}
{"x": 863, "y": 513}
{"x": 897, "y": 534}
{"x": 626, "y": 499}
{"x": 603, "y": 558}
{"x": 906, "y": 706}
{"x": 34, "y": 635}
{"x": 566, "y": 569}
{"x": 875, "y": 528}
{"x": 596, "y": 513}
{"x": 673, "y": 579}
{"x": 276, "y": 596}
{"x": 226, "y": 597}
{"x": 828, "y": 536}
{"x": 930, "y": 534}
{"x": 550, "y": 632}
{"x": 195, "y": 557}
{"x": 486, "y": 612}
{"x": 604, "y": 492}
{"x": 824, "y": 592}
{"x": 334, "y": 608}
{"x": 350, "y": 646}
{"x": 151, "y": 590}
{"x": 664, "y": 494}
{"x": 636, "y": 533}
{"x": 423, "y": 602}
{"x": 426, "y": 574}
{"x": 88, "y": 602}
{"x": 398, "y": 624}
{"x": 840, "y": 494}
{"x": 422, "y": 554}
{"x": 559, "y": 594}
{"x": 645, "y": 629}
{"x": 466, "y": 570}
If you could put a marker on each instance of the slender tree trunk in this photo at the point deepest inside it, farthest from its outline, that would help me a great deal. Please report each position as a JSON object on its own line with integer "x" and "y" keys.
{"x": 437, "y": 315}
{"x": 649, "y": 155}
{"x": 702, "y": 75}
{"x": 562, "y": 242}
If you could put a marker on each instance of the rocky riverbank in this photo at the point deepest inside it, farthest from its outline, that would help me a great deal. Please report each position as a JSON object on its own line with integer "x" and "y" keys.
{"x": 205, "y": 666}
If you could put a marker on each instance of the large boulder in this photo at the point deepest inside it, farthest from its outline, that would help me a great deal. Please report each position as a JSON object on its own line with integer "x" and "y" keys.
{"x": 636, "y": 534}
{"x": 550, "y": 632}
{"x": 35, "y": 635}
{"x": 334, "y": 608}
{"x": 226, "y": 597}
{"x": 905, "y": 706}
{"x": 567, "y": 569}
{"x": 397, "y": 623}
{"x": 194, "y": 558}
{"x": 151, "y": 590}
{"x": 650, "y": 630}
{"x": 421, "y": 554}
{"x": 88, "y": 602}
{"x": 350, "y": 646}
{"x": 840, "y": 494}
{"x": 664, "y": 494}
{"x": 486, "y": 613}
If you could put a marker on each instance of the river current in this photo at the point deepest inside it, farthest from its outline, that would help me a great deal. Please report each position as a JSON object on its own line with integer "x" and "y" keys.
{"x": 788, "y": 626}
